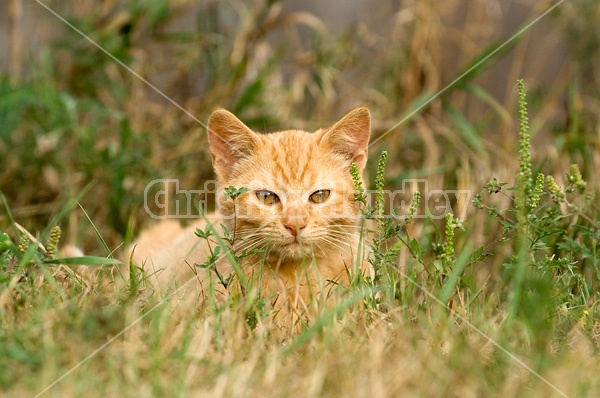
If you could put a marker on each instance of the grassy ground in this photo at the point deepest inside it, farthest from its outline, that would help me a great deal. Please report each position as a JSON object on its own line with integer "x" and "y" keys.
{"x": 503, "y": 302}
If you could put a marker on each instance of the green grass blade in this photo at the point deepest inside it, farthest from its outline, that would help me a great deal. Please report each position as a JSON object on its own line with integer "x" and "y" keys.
{"x": 98, "y": 235}
{"x": 85, "y": 260}
{"x": 326, "y": 319}
{"x": 468, "y": 132}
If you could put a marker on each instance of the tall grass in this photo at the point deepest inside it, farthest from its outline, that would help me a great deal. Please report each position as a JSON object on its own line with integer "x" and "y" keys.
{"x": 502, "y": 302}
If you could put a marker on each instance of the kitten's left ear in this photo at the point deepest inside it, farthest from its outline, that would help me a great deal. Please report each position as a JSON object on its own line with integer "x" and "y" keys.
{"x": 230, "y": 141}
{"x": 349, "y": 137}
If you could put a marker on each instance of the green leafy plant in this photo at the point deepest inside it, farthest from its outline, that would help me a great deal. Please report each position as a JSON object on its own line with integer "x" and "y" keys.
{"x": 224, "y": 244}
{"x": 555, "y": 233}
{"x": 222, "y": 249}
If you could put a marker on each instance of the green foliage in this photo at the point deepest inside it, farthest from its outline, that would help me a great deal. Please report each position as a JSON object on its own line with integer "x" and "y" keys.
{"x": 224, "y": 247}
{"x": 359, "y": 195}
{"x": 30, "y": 253}
{"x": 383, "y": 253}
{"x": 553, "y": 266}
{"x": 379, "y": 185}
{"x": 448, "y": 254}
{"x": 234, "y": 193}
{"x": 555, "y": 261}
{"x": 524, "y": 179}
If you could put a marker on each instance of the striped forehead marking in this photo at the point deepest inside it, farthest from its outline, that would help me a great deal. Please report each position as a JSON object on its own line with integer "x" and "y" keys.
{"x": 293, "y": 160}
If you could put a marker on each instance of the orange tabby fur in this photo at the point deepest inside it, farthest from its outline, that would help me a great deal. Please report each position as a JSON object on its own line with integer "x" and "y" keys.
{"x": 308, "y": 246}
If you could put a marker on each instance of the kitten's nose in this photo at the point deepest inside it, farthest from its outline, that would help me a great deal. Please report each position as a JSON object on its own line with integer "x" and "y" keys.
{"x": 295, "y": 217}
{"x": 294, "y": 225}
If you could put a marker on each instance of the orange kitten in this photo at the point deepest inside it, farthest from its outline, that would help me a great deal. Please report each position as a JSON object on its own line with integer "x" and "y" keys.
{"x": 299, "y": 213}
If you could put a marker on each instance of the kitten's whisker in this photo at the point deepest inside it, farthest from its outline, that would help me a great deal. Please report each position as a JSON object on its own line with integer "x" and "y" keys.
{"x": 330, "y": 233}
{"x": 251, "y": 244}
{"x": 333, "y": 243}
{"x": 257, "y": 240}
{"x": 250, "y": 247}
{"x": 342, "y": 235}
{"x": 349, "y": 226}
{"x": 248, "y": 230}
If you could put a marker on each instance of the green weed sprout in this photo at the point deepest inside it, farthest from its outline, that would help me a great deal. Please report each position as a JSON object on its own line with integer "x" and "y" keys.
{"x": 554, "y": 189}
{"x": 576, "y": 179}
{"x": 414, "y": 206}
{"x": 379, "y": 183}
{"x": 524, "y": 178}
{"x": 448, "y": 254}
{"x": 359, "y": 194}
{"x": 53, "y": 240}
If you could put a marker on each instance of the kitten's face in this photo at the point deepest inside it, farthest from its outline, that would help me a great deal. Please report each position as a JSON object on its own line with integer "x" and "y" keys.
{"x": 301, "y": 199}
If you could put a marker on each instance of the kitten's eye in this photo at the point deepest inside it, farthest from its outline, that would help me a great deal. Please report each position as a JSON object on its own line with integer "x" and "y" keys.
{"x": 267, "y": 197}
{"x": 320, "y": 196}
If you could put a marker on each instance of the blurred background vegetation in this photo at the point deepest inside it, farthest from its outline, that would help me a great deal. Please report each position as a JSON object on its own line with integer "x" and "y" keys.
{"x": 71, "y": 116}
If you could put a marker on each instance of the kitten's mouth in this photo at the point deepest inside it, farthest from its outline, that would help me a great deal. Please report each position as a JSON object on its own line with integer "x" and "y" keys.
{"x": 296, "y": 244}
{"x": 293, "y": 241}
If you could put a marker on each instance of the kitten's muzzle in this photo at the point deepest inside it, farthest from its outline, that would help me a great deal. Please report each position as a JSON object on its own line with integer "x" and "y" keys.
{"x": 294, "y": 226}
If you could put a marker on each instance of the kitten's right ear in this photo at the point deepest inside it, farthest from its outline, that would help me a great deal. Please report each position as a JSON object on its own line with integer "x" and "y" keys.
{"x": 230, "y": 141}
{"x": 349, "y": 137}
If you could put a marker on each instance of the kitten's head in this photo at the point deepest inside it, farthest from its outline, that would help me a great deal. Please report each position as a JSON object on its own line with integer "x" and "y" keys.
{"x": 301, "y": 199}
